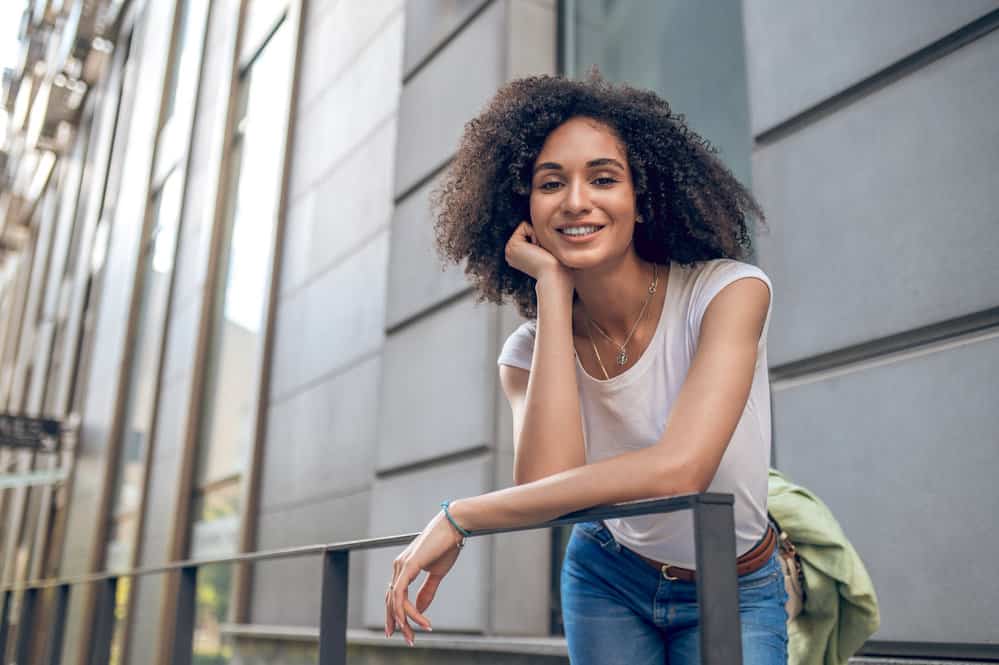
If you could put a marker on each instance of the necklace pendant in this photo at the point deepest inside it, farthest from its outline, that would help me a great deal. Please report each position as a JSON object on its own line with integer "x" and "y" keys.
{"x": 622, "y": 358}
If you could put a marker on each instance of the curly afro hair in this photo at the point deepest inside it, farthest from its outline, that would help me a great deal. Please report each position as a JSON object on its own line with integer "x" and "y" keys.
{"x": 694, "y": 207}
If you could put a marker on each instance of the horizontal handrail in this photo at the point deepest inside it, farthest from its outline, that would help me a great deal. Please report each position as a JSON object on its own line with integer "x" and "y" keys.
{"x": 717, "y": 592}
{"x": 653, "y": 506}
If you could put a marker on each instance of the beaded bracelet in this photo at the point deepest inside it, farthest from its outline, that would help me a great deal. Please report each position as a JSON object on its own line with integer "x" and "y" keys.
{"x": 464, "y": 533}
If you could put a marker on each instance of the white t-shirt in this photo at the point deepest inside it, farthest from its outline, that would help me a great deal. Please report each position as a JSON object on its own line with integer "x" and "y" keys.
{"x": 629, "y": 412}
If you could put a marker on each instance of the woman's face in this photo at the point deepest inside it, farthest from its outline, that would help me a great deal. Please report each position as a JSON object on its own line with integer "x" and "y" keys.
{"x": 582, "y": 196}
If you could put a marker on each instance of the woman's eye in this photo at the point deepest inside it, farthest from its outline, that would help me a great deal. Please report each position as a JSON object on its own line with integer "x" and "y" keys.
{"x": 604, "y": 181}
{"x": 550, "y": 185}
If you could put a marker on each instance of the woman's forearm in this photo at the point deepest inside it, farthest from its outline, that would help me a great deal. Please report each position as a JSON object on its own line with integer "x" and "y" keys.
{"x": 631, "y": 476}
{"x": 551, "y": 436}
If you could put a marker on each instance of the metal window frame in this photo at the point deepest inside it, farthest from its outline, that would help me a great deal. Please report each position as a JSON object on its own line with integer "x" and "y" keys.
{"x": 180, "y": 530}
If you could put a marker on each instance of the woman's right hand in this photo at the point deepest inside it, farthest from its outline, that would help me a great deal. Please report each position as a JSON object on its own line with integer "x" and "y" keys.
{"x": 525, "y": 254}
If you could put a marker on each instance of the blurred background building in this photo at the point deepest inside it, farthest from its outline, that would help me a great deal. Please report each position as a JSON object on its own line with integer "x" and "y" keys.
{"x": 217, "y": 276}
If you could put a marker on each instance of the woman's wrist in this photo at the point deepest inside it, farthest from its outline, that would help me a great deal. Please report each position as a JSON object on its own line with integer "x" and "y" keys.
{"x": 458, "y": 509}
{"x": 557, "y": 281}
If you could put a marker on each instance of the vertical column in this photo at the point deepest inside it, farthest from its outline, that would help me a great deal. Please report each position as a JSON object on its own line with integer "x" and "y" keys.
{"x": 58, "y": 625}
{"x": 333, "y": 615}
{"x": 26, "y": 625}
{"x": 717, "y": 581}
{"x": 103, "y": 626}
{"x": 183, "y": 637}
{"x": 5, "y": 622}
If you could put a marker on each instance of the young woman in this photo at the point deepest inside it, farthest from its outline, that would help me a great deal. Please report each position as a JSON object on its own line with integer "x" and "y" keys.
{"x": 640, "y": 373}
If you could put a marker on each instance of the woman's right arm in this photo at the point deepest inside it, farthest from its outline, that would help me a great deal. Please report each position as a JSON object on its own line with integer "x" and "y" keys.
{"x": 547, "y": 428}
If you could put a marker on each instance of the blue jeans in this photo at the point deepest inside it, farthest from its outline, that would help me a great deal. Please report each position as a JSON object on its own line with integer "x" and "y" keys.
{"x": 619, "y": 610}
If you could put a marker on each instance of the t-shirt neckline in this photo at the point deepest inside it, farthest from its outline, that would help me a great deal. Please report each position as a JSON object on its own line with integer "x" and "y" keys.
{"x": 647, "y": 353}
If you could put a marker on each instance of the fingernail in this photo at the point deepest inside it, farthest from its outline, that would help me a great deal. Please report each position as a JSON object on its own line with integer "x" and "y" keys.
{"x": 430, "y": 629}
{"x": 410, "y": 642}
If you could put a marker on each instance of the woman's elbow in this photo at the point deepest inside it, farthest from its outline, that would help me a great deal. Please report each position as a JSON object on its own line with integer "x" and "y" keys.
{"x": 679, "y": 477}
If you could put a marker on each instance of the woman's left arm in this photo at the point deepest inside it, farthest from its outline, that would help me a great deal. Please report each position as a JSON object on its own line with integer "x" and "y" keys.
{"x": 683, "y": 461}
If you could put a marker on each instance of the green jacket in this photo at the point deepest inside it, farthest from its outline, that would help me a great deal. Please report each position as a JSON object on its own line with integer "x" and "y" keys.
{"x": 840, "y": 610}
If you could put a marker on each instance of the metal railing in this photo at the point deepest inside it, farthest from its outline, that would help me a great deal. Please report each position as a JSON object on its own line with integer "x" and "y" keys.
{"x": 717, "y": 590}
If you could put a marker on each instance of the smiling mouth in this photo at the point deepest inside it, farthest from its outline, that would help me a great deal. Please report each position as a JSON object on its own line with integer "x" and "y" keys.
{"x": 579, "y": 231}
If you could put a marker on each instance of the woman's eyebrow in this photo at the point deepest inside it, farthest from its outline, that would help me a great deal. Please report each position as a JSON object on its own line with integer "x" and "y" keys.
{"x": 604, "y": 161}
{"x": 601, "y": 161}
{"x": 548, "y": 165}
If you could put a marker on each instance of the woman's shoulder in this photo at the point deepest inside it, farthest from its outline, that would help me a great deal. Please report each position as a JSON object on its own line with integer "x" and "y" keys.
{"x": 713, "y": 270}
{"x": 707, "y": 278}
{"x": 518, "y": 350}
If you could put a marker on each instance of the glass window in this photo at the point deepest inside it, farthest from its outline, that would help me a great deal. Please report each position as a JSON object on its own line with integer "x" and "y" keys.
{"x": 691, "y": 53}
{"x": 182, "y": 85}
{"x": 157, "y": 262}
{"x": 232, "y": 375}
{"x": 234, "y": 357}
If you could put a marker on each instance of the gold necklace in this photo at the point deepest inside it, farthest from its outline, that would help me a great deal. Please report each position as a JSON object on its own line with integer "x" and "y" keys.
{"x": 589, "y": 333}
{"x": 622, "y": 356}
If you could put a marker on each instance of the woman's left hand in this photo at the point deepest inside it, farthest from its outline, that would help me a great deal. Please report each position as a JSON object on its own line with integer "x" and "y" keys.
{"x": 435, "y": 551}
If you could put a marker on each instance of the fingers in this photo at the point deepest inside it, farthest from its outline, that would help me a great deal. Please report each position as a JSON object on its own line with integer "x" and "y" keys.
{"x": 399, "y": 610}
{"x": 389, "y": 615}
{"x": 427, "y": 592}
{"x": 526, "y": 231}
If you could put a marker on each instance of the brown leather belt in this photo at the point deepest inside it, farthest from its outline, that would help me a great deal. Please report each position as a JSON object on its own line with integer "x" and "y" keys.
{"x": 747, "y": 563}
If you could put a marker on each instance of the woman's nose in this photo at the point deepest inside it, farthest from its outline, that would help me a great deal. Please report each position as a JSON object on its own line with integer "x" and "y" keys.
{"x": 575, "y": 201}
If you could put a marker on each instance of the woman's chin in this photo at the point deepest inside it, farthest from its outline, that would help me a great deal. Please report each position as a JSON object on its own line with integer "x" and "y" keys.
{"x": 586, "y": 260}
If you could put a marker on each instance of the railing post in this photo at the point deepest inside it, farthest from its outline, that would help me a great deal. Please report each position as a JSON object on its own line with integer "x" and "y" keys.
{"x": 183, "y": 640}
{"x": 333, "y": 612}
{"x": 717, "y": 581}
{"x": 5, "y": 623}
{"x": 103, "y": 629}
{"x": 26, "y": 625}
{"x": 58, "y": 625}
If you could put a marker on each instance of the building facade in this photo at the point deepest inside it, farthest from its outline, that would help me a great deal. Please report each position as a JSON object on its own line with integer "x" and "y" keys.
{"x": 217, "y": 274}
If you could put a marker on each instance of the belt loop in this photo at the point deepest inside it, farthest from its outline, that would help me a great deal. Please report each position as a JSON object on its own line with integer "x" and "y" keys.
{"x": 610, "y": 538}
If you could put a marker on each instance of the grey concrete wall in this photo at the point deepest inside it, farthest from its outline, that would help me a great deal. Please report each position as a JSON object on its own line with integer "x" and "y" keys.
{"x": 323, "y": 409}
{"x": 882, "y": 208}
{"x": 803, "y": 53}
{"x": 441, "y": 427}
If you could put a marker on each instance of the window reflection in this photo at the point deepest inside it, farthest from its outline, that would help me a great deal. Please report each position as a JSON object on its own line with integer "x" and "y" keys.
{"x": 691, "y": 53}
{"x": 234, "y": 357}
{"x": 157, "y": 266}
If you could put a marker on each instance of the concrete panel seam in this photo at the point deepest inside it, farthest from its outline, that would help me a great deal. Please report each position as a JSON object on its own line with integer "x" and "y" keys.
{"x": 427, "y": 311}
{"x": 889, "y": 359}
{"x": 284, "y": 506}
{"x": 354, "y": 57}
{"x": 430, "y": 175}
{"x": 477, "y": 451}
{"x": 445, "y": 42}
{"x": 302, "y": 190}
{"x": 355, "y": 362}
{"x": 918, "y": 338}
{"x": 880, "y": 79}
{"x": 337, "y": 261}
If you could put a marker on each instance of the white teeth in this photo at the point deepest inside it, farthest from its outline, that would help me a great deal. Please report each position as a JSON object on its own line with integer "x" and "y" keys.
{"x": 580, "y": 230}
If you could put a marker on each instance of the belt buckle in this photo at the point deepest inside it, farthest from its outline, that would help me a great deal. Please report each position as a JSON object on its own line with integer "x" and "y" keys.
{"x": 666, "y": 574}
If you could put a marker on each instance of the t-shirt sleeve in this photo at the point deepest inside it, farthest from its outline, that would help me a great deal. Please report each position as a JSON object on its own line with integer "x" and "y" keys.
{"x": 715, "y": 277}
{"x": 518, "y": 350}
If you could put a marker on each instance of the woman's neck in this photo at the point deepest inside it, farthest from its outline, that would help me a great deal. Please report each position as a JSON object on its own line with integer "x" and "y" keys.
{"x": 613, "y": 295}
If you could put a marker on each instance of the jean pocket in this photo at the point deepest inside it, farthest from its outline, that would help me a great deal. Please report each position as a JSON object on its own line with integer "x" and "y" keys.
{"x": 767, "y": 574}
{"x": 595, "y": 531}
